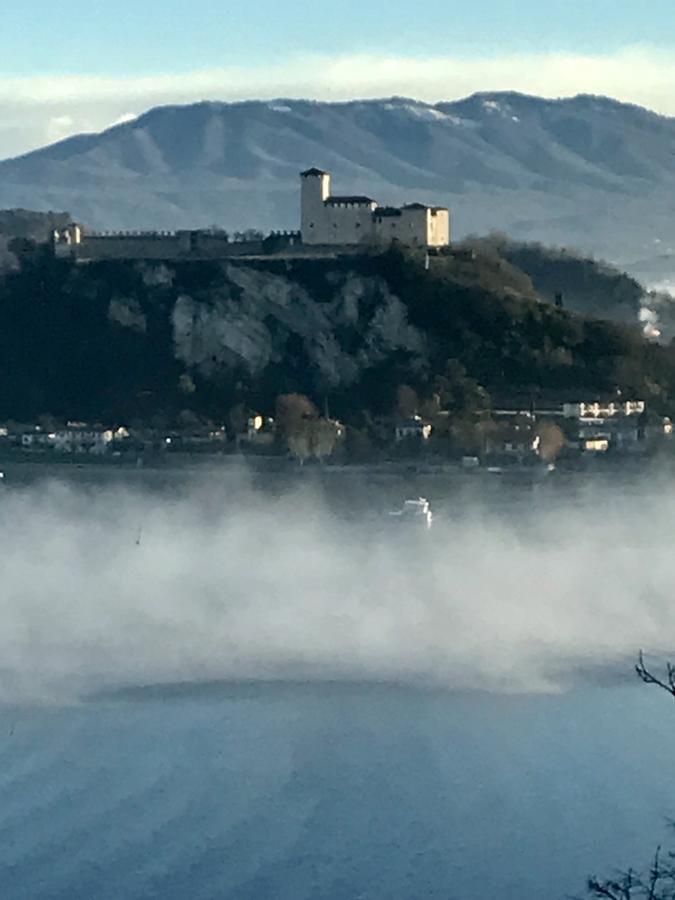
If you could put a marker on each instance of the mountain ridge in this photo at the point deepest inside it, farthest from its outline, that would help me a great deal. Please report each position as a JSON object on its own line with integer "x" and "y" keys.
{"x": 587, "y": 171}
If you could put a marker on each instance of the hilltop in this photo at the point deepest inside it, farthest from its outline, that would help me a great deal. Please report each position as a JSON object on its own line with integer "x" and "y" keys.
{"x": 586, "y": 172}
{"x": 123, "y": 340}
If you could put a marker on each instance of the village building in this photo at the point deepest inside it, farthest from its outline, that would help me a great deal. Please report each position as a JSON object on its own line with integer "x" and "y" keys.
{"x": 74, "y": 438}
{"x": 413, "y": 429}
{"x": 601, "y": 426}
{"x": 260, "y": 432}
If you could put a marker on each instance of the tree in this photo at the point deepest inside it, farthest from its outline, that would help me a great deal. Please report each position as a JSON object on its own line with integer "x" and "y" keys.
{"x": 407, "y": 401}
{"x": 237, "y": 419}
{"x": 186, "y": 384}
{"x": 658, "y": 884}
{"x": 551, "y": 440}
{"x": 292, "y": 411}
{"x": 299, "y": 444}
{"x": 459, "y": 393}
{"x": 659, "y": 881}
{"x": 324, "y": 435}
{"x": 295, "y": 417}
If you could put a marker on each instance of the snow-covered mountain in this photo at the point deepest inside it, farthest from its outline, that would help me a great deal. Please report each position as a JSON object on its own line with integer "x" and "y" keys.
{"x": 588, "y": 171}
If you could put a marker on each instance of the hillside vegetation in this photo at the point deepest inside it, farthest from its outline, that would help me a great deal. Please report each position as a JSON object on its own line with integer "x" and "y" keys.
{"x": 586, "y": 285}
{"x": 125, "y": 340}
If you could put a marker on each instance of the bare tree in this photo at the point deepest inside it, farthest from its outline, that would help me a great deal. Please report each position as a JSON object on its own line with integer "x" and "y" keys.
{"x": 325, "y": 434}
{"x": 659, "y": 882}
{"x": 299, "y": 444}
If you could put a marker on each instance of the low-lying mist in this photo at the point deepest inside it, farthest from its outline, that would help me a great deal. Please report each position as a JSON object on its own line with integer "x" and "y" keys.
{"x": 112, "y": 587}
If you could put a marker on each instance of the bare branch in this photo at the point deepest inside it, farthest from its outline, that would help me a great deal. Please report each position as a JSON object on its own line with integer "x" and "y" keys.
{"x": 659, "y": 882}
{"x": 649, "y": 678}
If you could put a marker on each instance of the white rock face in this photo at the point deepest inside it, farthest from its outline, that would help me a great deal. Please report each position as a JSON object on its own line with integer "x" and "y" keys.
{"x": 127, "y": 313}
{"x": 250, "y": 320}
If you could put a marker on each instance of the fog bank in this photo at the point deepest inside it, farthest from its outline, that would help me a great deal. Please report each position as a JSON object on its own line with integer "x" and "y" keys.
{"x": 112, "y": 588}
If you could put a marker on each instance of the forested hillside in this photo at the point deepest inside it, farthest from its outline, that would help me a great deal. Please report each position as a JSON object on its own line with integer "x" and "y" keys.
{"x": 123, "y": 340}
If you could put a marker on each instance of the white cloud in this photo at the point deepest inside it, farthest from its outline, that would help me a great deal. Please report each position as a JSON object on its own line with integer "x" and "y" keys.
{"x": 32, "y": 108}
{"x": 59, "y": 127}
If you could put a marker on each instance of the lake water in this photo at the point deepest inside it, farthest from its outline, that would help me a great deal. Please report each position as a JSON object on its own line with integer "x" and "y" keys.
{"x": 333, "y": 791}
{"x": 254, "y": 702}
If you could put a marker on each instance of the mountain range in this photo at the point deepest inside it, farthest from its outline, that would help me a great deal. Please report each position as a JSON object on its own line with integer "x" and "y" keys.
{"x": 587, "y": 172}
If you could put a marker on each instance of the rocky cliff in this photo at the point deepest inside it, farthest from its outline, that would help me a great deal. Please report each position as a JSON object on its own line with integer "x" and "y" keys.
{"x": 127, "y": 339}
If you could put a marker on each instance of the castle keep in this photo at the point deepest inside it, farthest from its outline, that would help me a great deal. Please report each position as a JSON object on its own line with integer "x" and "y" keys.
{"x": 347, "y": 221}
{"x": 330, "y": 225}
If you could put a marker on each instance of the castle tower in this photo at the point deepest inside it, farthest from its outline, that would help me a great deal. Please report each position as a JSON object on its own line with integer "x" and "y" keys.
{"x": 315, "y": 190}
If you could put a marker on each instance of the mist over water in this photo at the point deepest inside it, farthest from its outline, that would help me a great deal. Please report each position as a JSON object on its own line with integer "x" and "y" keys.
{"x": 120, "y": 586}
{"x": 286, "y": 695}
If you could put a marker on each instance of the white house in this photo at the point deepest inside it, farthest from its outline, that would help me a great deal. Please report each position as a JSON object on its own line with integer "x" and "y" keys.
{"x": 413, "y": 429}
{"x": 81, "y": 440}
{"x": 603, "y": 410}
{"x": 329, "y": 220}
{"x": 613, "y": 424}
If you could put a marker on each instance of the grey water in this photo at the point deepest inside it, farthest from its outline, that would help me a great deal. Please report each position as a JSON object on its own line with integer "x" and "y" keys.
{"x": 267, "y": 698}
{"x": 332, "y": 791}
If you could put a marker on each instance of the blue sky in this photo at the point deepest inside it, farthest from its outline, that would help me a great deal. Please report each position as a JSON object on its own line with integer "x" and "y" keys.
{"x": 74, "y": 66}
{"x": 103, "y": 37}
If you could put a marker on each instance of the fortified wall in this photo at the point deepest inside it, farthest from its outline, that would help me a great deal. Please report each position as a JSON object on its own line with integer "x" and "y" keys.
{"x": 74, "y": 242}
{"x": 330, "y": 226}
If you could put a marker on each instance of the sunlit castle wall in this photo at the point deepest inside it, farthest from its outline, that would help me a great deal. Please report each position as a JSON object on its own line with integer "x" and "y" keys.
{"x": 407, "y": 225}
{"x": 415, "y": 225}
{"x": 346, "y": 221}
{"x": 352, "y": 220}
{"x": 314, "y": 191}
{"x": 438, "y": 227}
{"x": 333, "y": 221}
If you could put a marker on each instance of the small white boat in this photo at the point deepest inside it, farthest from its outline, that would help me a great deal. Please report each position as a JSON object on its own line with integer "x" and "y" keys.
{"x": 415, "y": 512}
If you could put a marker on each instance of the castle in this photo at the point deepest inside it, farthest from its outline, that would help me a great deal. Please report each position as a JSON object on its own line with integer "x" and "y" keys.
{"x": 327, "y": 220}
{"x": 329, "y": 225}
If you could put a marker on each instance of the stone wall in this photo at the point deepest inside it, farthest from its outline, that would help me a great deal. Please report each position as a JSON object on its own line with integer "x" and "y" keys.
{"x": 198, "y": 245}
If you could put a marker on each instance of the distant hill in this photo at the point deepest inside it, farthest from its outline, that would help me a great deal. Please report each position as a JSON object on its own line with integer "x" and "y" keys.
{"x": 34, "y": 226}
{"x": 118, "y": 340}
{"x": 584, "y": 285}
{"x": 26, "y": 225}
{"x": 587, "y": 172}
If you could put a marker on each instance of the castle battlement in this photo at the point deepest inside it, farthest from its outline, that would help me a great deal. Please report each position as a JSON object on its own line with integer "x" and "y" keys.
{"x": 329, "y": 224}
